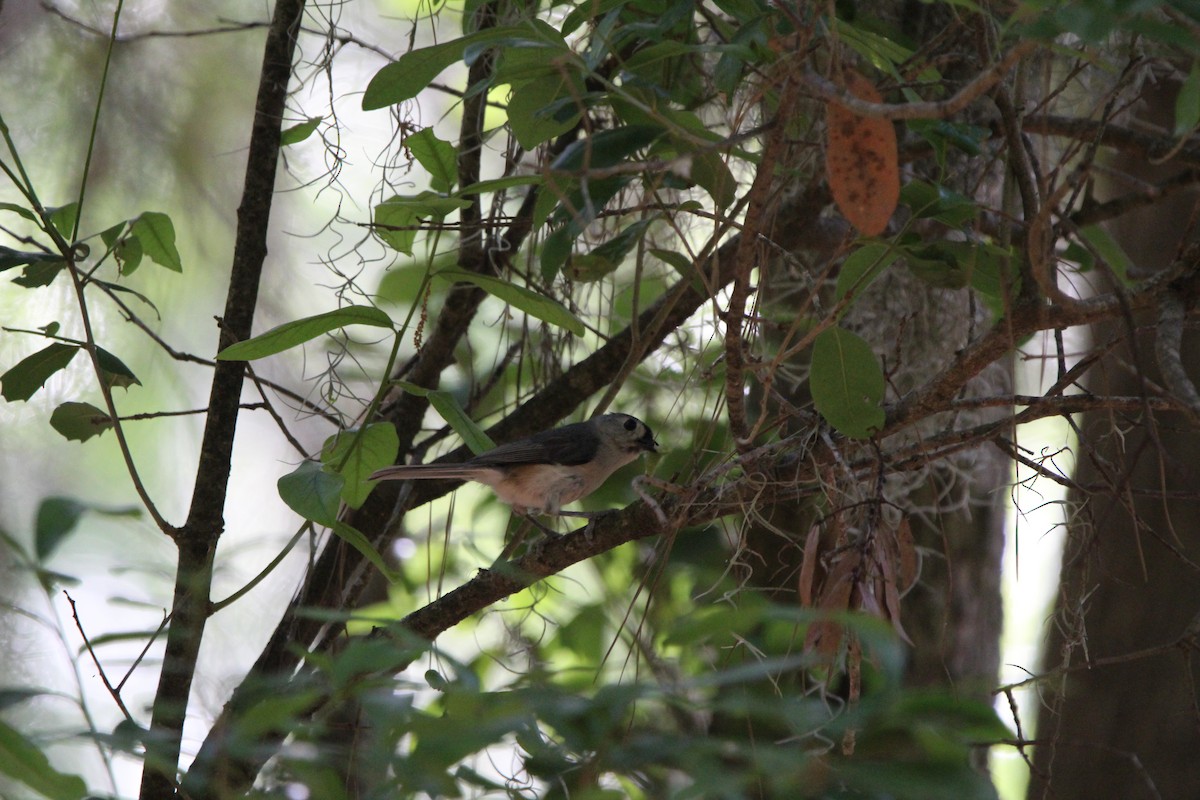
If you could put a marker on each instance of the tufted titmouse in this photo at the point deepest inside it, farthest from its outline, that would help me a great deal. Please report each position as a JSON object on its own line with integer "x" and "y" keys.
{"x": 549, "y": 469}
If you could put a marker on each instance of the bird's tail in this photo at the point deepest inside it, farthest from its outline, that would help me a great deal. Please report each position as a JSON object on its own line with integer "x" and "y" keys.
{"x": 407, "y": 472}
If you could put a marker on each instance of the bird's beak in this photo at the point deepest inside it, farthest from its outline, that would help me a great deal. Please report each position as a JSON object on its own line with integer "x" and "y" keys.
{"x": 647, "y": 442}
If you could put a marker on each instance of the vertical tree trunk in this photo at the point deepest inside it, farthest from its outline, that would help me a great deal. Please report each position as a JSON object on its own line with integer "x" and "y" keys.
{"x": 1123, "y": 718}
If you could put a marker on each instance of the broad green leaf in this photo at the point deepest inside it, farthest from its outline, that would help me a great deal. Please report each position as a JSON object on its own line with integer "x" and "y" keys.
{"x": 10, "y": 258}
{"x": 588, "y": 11}
{"x": 396, "y": 218}
{"x": 375, "y": 448}
{"x": 24, "y": 762}
{"x": 41, "y": 273}
{"x": 452, "y": 411}
{"x": 606, "y": 148}
{"x": 355, "y": 538}
{"x": 500, "y": 184}
{"x": 396, "y": 226}
{"x": 544, "y": 108}
{"x": 938, "y": 202}
{"x": 113, "y": 370}
{"x": 110, "y": 236}
{"x": 300, "y": 131}
{"x": 58, "y": 516}
{"x": 63, "y": 218}
{"x": 156, "y": 234}
{"x": 862, "y": 267}
{"x": 710, "y": 173}
{"x": 847, "y": 383}
{"x": 129, "y": 252}
{"x": 1109, "y": 249}
{"x": 608, "y": 256}
{"x": 682, "y": 265}
{"x": 990, "y": 270}
{"x": 28, "y": 375}
{"x": 556, "y": 249}
{"x": 79, "y": 422}
{"x": 404, "y": 78}
{"x": 518, "y": 65}
{"x": 544, "y": 308}
{"x": 437, "y": 156}
{"x": 290, "y": 334}
{"x": 312, "y": 492}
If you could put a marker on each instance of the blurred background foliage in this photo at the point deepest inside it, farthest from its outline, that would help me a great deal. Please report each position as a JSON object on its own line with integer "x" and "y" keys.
{"x": 676, "y": 666}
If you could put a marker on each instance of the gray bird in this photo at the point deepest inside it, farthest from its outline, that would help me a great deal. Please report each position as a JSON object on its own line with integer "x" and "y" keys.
{"x": 549, "y": 469}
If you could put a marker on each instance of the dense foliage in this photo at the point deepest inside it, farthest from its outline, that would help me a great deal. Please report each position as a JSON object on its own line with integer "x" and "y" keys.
{"x": 802, "y": 242}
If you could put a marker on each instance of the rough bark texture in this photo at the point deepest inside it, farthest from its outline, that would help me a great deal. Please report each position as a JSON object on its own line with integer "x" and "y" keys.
{"x": 1124, "y": 723}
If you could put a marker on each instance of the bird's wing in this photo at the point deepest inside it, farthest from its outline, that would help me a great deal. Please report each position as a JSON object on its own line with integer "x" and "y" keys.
{"x": 569, "y": 445}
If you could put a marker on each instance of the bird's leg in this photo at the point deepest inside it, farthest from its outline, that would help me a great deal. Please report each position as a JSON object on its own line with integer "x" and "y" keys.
{"x": 553, "y": 534}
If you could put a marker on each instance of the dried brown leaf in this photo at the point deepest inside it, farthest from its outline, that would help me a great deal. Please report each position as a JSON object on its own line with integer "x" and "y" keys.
{"x": 861, "y": 160}
{"x": 825, "y": 636}
{"x": 909, "y": 563}
{"x": 808, "y": 566}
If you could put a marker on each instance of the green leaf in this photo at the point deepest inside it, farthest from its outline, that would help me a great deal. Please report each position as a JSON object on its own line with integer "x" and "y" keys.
{"x": 24, "y": 762}
{"x": 452, "y": 411}
{"x": 404, "y": 78}
{"x": 312, "y": 492}
{"x": 396, "y": 218}
{"x": 41, "y": 273}
{"x": 10, "y": 258}
{"x": 681, "y": 264}
{"x": 21, "y": 210}
{"x": 58, "y": 516}
{"x": 300, "y": 131}
{"x": 847, "y": 383}
{"x": 606, "y": 148}
{"x": 437, "y": 156}
{"x": 500, "y": 184}
{"x": 79, "y": 422}
{"x": 129, "y": 252}
{"x": 156, "y": 234}
{"x": 556, "y": 249}
{"x": 1187, "y": 103}
{"x": 938, "y": 202}
{"x": 862, "y": 267}
{"x": 113, "y": 370}
{"x": 1109, "y": 249}
{"x": 711, "y": 174}
{"x": 63, "y": 218}
{"x": 28, "y": 375}
{"x": 608, "y": 256}
{"x": 544, "y": 108}
{"x": 375, "y": 448}
{"x": 355, "y": 538}
{"x": 296, "y": 332}
{"x": 546, "y": 309}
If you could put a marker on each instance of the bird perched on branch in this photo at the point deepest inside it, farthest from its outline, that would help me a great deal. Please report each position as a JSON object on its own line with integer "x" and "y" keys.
{"x": 548, "y": 470}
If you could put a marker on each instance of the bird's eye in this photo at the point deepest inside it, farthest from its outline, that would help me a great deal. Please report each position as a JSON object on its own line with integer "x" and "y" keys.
{"x": 630, "y": 424}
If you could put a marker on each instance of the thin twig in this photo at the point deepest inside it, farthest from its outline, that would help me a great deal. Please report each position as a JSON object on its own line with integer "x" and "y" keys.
{"x": 113, "y": 691}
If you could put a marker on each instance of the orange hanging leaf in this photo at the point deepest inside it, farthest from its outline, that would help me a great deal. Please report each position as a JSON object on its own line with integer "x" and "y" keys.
{"x": 861, "y": 160}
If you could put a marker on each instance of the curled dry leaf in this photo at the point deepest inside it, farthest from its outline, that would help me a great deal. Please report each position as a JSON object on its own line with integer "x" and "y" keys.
{"x": 909, "y": 565}
{"x": 825, "y": 636}
{"x": 861, "y": 160}
{"x": 808, "y": 567}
